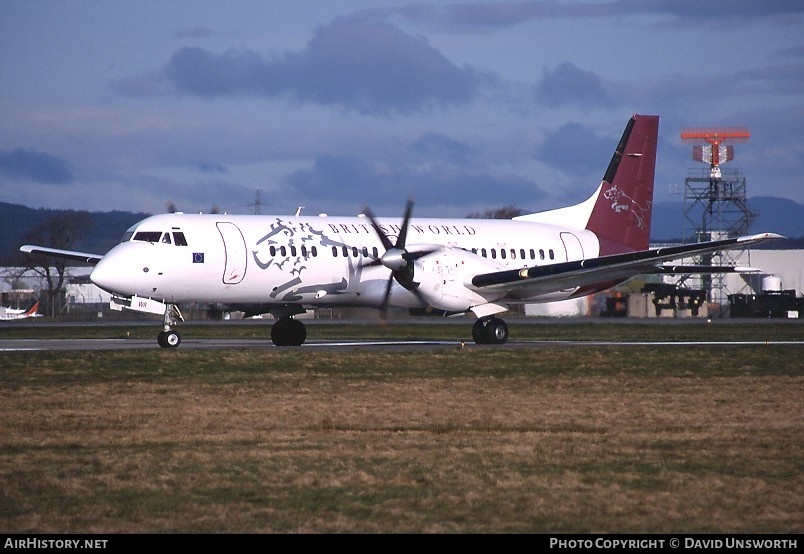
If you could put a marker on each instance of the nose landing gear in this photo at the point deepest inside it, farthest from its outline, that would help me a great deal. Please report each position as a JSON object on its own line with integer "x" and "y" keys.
{"x": 169, "y": 338}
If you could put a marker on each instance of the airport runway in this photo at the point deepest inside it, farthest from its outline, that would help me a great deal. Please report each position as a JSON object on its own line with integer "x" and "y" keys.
{"x": 52, "y": 345}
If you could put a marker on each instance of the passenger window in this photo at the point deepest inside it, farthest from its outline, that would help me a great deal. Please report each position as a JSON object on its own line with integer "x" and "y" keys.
{"x": 502, "y": 253}
{"x": 292, "y": 250}
{"x": 541, "y": 254}
{"x": 304, "y": 251}
{"x": 522, "y": 253}
{"x": 272, "y": 250}
{"x": 483, "y": 252}
{"x": 552, "y": 254}
{"x": 493, "y": 254}
{"x": 354, "y": 251}
{"x": 314, "y": 251}
{"x": 374, "y": 252}
{"x": 283, "y": 251}
{"x": 345, "y": 252}
{"x": 334, "y": 251}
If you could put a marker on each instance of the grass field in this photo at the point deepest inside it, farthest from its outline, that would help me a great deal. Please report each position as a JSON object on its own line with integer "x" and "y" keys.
{"x": 569, "y": 438}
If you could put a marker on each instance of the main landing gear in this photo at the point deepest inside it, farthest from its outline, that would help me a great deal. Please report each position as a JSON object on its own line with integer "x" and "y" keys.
{"x": 490, "y": 330}
{"x": 288, "y": 332}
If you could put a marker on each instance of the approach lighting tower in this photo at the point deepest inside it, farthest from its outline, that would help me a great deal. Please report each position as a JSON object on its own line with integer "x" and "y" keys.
{"x": 715, "y": 204}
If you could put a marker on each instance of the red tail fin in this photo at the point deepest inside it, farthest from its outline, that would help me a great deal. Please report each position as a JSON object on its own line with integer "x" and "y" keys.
{"x": 622, "y": 212}
{"x": 32, "y": 310}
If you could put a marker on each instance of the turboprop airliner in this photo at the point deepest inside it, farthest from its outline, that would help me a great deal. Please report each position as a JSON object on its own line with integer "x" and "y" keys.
{"x": 285, "y": 265}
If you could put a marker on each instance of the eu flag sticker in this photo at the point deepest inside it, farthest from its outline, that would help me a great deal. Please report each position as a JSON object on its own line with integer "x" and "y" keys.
{"x": 198, "y": 257}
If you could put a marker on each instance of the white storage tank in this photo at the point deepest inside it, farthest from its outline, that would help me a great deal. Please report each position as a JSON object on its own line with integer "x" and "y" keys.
{"x": 771, "y": 283}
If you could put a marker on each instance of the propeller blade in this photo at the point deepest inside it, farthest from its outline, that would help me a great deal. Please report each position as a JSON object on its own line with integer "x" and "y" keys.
{"x": 397, "y": 259}
{"x": 422, "y": 301}
{"x": 413, "y": 256}
{"x": 370, "y": 263}
{"x": 384, "y": 307}
{"x": 384, "y": 239}
{"x": 403, "y": 234}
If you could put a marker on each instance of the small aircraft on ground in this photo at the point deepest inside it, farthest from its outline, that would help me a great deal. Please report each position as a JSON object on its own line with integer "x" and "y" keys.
{"x": 285, "y": 265}
{"x": 21, "y": 313}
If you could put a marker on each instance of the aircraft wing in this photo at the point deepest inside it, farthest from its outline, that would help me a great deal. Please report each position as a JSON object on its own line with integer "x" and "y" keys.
{"x": 566, "y": 275}
{"x": 56, "y": 253}
{"x": 671, "y": 269}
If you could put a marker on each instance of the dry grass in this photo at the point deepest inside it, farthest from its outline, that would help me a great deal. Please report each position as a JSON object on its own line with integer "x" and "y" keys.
{"x": 569, "y": 439}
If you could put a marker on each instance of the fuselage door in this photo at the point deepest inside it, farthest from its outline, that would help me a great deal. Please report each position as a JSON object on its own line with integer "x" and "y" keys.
{"x": 574, "y": 250}
{"x": 236, "y": 255}
{"x": 572, "y": 246}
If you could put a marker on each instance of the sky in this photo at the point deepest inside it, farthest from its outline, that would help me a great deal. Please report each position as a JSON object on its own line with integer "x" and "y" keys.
{"x": 334, "y": 105}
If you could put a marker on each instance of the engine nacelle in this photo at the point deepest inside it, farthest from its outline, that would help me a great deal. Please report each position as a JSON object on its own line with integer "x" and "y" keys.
{"x": 443, "y": 274}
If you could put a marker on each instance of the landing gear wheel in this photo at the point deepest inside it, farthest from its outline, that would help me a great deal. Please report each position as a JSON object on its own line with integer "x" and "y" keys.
{"x": 478, "y": 330}
{"x": 288, "y": 332}
{"x": 168, "y": 339}
{"x": 490, "y": 330}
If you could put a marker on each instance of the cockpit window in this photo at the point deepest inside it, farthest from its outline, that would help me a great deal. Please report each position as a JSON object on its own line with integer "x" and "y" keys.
{"x": 148, "y": 236}
{"x": 167, "y": 237}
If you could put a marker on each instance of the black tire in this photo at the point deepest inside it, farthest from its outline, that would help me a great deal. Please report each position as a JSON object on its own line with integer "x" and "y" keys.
{"x": 496, "y": 331}
{"x": 168, "y": 339}
{"x": 172, "y": 339}
{"x": 288, "y": 332}
{"x": 479, "y": 331}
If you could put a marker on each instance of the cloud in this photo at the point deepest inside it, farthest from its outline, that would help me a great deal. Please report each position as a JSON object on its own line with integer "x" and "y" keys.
{"x": 567, "y": 84}
{"x": 574, "y": 147}
{"x": 500, "y": 15}
{"x": 195, "y": 33}
{"x": 211, "y": 167}
{"x": 24, "y": 165}
{"x": 358, "y": 64}
{"x": 343, "y": 178}
{"x": 440, "y": 147}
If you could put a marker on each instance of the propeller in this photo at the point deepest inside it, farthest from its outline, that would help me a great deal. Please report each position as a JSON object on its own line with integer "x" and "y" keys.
{"x": 397, "y": 258}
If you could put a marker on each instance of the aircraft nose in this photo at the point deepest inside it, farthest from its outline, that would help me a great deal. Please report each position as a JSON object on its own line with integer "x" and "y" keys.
{"x": 109, "y": 277}
{"x": 101, "y": 275}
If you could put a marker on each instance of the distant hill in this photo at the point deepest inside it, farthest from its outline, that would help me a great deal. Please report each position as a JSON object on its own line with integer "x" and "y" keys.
{"x": 777, "y": 215}
{"x": 16, "y": 221}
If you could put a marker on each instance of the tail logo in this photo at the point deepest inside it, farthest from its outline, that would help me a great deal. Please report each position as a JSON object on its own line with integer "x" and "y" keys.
{"x": 621, "y": 202}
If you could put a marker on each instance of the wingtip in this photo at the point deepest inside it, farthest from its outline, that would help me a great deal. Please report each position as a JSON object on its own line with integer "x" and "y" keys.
{"x": 761, "y": 237}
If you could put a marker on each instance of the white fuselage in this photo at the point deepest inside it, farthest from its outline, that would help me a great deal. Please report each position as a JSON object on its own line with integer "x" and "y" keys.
{"x": 319, "y": 261}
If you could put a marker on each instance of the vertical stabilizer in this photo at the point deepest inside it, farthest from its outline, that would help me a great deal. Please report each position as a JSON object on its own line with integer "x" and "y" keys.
{"x": 32, "y": 310}
{"x": 622, "y": 211}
